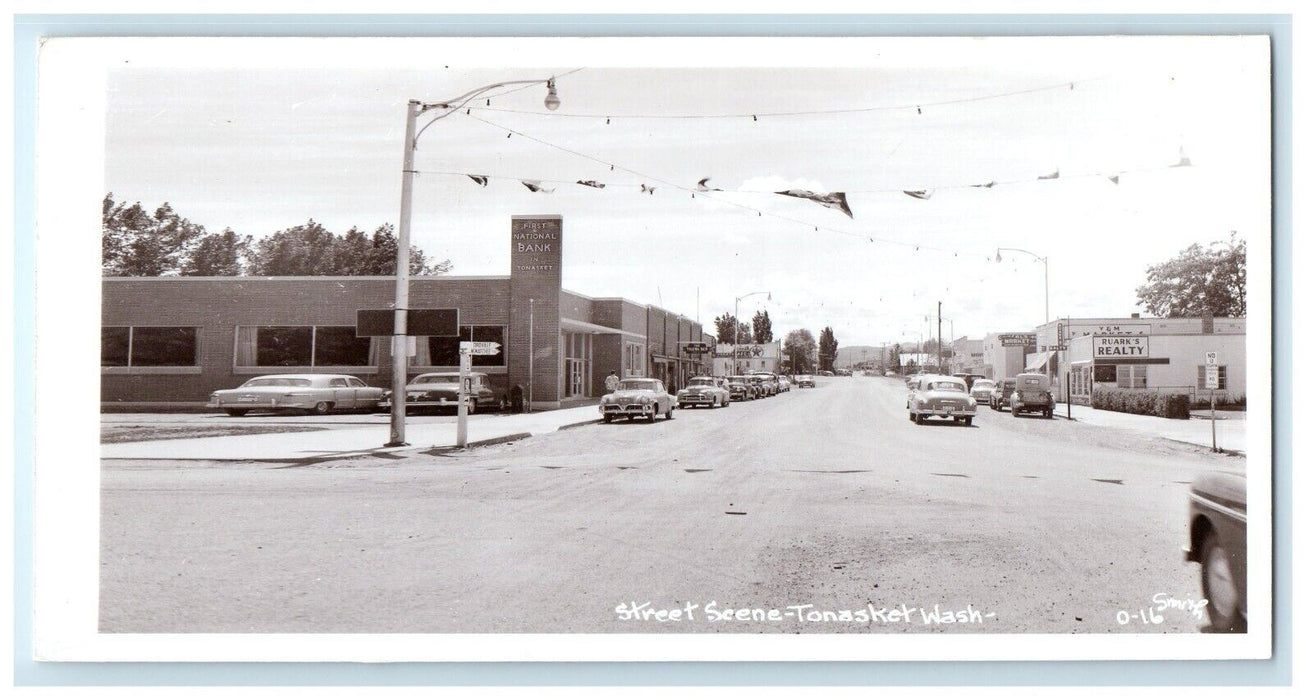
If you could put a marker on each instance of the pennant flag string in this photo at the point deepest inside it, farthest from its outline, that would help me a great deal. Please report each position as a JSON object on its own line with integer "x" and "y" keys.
{"x": 832, "y": 200}
{"x": 919, "y": 194}
{"x": 481, "y": 179}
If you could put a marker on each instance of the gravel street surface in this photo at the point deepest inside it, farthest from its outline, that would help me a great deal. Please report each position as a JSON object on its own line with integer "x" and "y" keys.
{"x": 826, "y": 497}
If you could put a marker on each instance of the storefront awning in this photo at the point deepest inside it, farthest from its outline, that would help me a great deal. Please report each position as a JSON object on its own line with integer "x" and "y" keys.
{"x": 1039, "y": 363}
{"x": 576, "y": 326}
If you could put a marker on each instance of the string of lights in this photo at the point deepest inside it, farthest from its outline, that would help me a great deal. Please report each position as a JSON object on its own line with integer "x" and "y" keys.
{"x": 755, "y": 116}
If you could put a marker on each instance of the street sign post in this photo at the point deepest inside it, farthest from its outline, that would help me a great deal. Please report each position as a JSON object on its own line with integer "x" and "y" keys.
{"x": 696, "y": 348}
{"x": 479, "y": 347}
{"x": 1211, "y": 377}
{"x": 403, "y": 327}
{"x": 462, "y": 396}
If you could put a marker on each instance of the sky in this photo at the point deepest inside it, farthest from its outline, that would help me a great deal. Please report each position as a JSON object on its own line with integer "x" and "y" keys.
{"x": 265, "y": 138}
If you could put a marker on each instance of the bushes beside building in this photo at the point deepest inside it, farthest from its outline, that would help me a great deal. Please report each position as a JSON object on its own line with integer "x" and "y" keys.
{"x": 1142, "y": 402}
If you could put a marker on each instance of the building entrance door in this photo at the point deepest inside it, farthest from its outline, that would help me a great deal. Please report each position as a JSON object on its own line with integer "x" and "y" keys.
{"x": 574, "y": 376}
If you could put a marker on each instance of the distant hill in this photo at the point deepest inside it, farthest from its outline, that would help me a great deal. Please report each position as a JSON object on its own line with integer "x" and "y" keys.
{"x": 853, "y": 354}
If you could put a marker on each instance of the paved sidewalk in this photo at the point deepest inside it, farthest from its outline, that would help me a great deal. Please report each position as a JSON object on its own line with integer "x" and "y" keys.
{"x": 1196, "y": 430}
{"x": 349, "y": 440}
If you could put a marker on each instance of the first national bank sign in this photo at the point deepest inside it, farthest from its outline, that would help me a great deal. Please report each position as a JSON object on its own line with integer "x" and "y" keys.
{"x": 1121, "y": 347}
{"x": 536, "y": 245}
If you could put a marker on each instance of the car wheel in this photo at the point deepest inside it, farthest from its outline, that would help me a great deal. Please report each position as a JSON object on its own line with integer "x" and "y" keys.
{"x": 651, "y": 417}
{"x": 670, "y": 413}
{"x": 919, "y": 419}
{"x": 322, "y": 408}
{"x": 235, "y": 412}
{"x": 967, "y": 421}
{"x": 606, "y": 418}
{"x": 1015, "y": 411}
{"x": 501, "y": 405}
{"x": 1220, "y": 587}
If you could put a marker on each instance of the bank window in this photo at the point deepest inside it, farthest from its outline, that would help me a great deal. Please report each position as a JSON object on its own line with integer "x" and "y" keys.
{"x": 1221, "y": 377}
{"x": 1132, "y": 376}
{"x": 147, "y": 346}
{"x": 445, "y": 352}
{"x": 303, "y": 346}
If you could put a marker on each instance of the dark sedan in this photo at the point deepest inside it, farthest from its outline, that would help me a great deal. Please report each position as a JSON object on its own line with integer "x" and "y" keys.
{"x": 1217, "y": 543}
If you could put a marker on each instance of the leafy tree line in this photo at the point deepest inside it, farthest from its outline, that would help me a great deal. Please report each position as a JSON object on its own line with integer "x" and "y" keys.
{"x": 137, "y": 242}
{"x": 1198, "y": 281}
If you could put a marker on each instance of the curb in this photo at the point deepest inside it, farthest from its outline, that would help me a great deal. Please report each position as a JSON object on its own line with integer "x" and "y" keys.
{"x": 581, "y": 423}
{"x": 435, "y": 450}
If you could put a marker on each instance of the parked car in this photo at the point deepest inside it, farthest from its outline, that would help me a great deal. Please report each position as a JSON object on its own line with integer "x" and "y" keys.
{"x": 785, "y": 384}
{"x": 740, "y": 389}
{"x": 1032, "y": 395}
{"x": 763, "y": 384}
{"x": 942, "y": 396}
{"x": 316, "y": 393}
{"x": 806, "y": 380}
{"x": 771, "y": 379}
{"x": 981, "y": 390}
{"x": 1001, "y": 396}
{"x": 442, "y": 390}
{"x": 890, "y": 373}
{"x": 826, "y": 373}
{"x": 638, "y": 398}
{"x": 704, "y": 391}
{"x": 1218, "y": 509}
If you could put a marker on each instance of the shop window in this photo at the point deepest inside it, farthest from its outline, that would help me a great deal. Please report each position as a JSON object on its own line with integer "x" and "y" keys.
{"x": 634, "y": 366}
{"x": 1132, "y": 376}
{"x": 1105, "y": 374}
{"x": 148, "y": 346}
{"x": 445, "y": 352}
{"x": 338, "y": 346}
{"x": 1221, "y": 377}
{"x": 303, "y": 346}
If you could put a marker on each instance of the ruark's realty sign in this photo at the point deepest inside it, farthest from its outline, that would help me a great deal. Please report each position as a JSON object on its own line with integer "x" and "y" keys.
{"x": 1121, "y": 347}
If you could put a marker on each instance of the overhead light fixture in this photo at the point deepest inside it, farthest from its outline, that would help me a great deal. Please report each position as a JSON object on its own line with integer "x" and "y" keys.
{"x": 551, "y": 102}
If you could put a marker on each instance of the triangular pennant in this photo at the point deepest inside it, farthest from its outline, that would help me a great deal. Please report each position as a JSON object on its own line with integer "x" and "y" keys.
{"x": 591, "y": 183}
{"x": 919, "y": 194}
{"x": 481, "y": 179}
{"x": 987, "y": 185}
{"x": 833, "y": 200}
{"x": 1184, "y": 162}
{"x": 536, "y": 186}
{"x": 644, "y": 189}
{"x": 1051, "y": 176}
{"x": 1115, "y": 179}
{"x": 703, "y": 187}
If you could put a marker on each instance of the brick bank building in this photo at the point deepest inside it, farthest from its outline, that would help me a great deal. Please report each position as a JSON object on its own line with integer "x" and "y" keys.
{"x": 171, "y": 341}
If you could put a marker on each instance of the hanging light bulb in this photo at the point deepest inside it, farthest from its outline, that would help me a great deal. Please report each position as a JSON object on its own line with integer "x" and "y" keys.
{"x": 551, "y": 102}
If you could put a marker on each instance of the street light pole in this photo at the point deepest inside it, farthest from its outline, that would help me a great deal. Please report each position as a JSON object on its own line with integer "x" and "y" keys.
{"x": 998, "y": 257}
{"x": 734, "y": 361}
{"x": 401, "y": 303}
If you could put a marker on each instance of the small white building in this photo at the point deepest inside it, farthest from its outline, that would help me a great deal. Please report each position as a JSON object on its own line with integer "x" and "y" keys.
{"x": 1004, "y": 354}
{"x": 1155, "y": 354}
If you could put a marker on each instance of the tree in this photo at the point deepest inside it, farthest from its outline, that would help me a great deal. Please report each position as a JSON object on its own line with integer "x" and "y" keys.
{"x": 829, "y": 349}
{"x": 800, "y": 349}
{"x": 897, "y": 360}
{"x": 218, "y": 255}
{"x": 135, "y": 243}
{"x": 725, "y": 329}
{"x": 761, "y": 332}
{"x": 310, "y": 249}
{"x": 1198, "y": 281}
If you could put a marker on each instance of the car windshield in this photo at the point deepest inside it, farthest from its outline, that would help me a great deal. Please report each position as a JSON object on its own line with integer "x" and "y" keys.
{"x": 436, "y": 379}
{"x": 739, "y": 379}
{"x": 983, "y": 384}
{"x": 946, "y": 385}
{"x": 702, "y": 381}
{"x": 277, "y": 381}
{"x": 639, "y": 385}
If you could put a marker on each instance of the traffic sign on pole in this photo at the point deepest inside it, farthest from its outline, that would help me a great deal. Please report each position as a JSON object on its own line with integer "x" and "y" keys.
{"x": 1210, "y": 359}
{"x": 479, "y": 347}
{"x": 1212, "y": 375}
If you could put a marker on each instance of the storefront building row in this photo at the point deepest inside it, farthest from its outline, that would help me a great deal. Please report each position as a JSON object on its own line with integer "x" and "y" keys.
{"x": 174, "y": 340}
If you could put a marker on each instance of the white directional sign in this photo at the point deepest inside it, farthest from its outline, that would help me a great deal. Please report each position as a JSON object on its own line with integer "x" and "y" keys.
{"x": 1211, "y": 377}
{"x": 1210, "y": 359}
{"x": 479, "y": 347}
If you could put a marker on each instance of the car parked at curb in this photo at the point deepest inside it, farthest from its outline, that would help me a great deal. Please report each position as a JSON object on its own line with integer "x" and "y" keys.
{"x": 740, "y": 389}
{"x": 704, "y": 391}
{"x": 442, "y": 390}
{"x": 1032, "y": 395}
{"x": 806, "y": 380}
{"x": 785, "y": 384}
{"x": 638, "y": 398}
{"x": 315, "y": 393}
{"x": 943, "y": 396}
{"x": 1217, "y": 529}
{"x": 1001, "y": 396}
{"x": 765, "y": 387}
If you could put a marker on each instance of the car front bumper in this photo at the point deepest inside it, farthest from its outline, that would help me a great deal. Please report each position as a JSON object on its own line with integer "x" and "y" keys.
{"x": 628, "y": 409}
{"x": 698, "y": 400}
{"x": 945, "y": 412}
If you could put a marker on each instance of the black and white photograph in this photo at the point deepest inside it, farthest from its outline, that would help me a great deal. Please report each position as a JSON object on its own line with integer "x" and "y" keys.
{"x": 742, "y": 348}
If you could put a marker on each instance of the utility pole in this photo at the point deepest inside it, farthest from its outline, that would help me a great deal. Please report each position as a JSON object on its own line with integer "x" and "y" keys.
{"x": 939, "y": 351}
